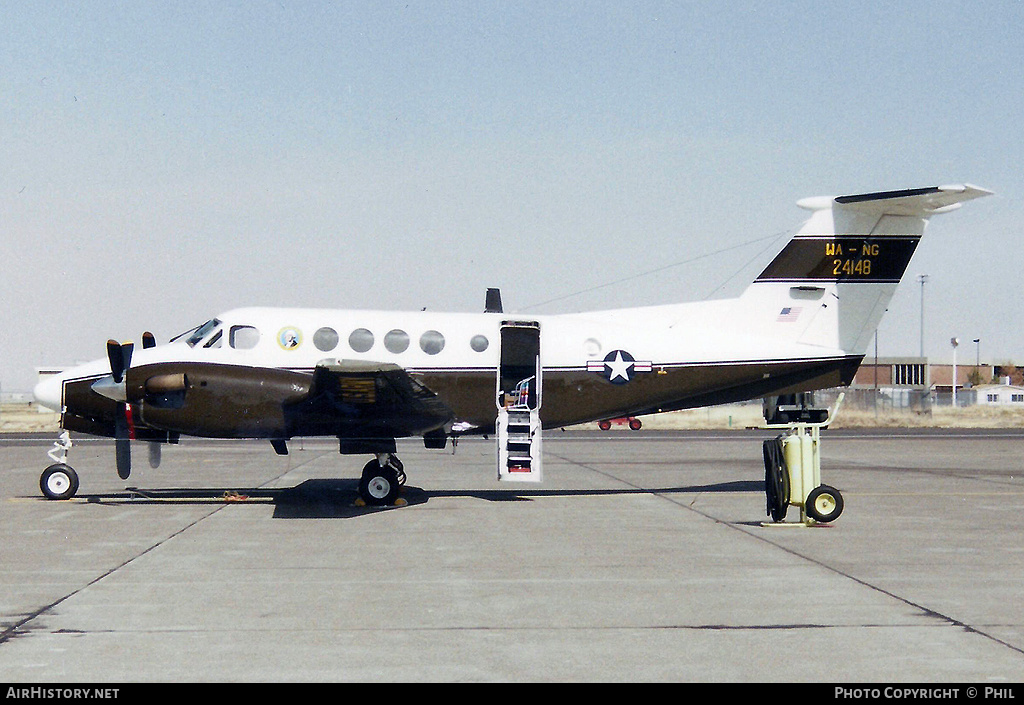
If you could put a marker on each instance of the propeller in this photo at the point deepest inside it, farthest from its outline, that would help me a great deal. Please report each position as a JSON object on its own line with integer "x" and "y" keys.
{"x": 115, "y": 387}
{"x": 120, "y": 356}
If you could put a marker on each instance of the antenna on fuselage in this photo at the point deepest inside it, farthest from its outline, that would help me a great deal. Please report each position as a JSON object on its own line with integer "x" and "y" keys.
{"x": 493, "y": 301}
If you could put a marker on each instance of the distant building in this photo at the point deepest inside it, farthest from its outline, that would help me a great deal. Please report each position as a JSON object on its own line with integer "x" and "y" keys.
{"x": 914, "y": 383}
{"x": 999, "y": 394}
{"x": 900, "y": 372}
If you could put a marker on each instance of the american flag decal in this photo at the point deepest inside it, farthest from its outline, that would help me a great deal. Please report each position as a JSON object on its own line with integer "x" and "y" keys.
{"x": 789, "y": 314}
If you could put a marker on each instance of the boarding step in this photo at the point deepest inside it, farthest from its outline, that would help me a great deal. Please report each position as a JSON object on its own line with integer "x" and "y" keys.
{"x": 519, "y": 441}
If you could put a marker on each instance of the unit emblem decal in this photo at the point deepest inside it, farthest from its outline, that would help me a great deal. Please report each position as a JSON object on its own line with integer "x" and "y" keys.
{"x": 289, "y": 338}
{"x": 618, "y": 367}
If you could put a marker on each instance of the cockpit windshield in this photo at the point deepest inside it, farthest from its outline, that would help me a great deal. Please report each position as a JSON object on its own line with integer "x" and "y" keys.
{"x": 196, "y": 335}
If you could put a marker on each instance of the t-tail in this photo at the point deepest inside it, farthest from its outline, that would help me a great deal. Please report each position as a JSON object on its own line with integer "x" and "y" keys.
{"x": 831, "y": 284}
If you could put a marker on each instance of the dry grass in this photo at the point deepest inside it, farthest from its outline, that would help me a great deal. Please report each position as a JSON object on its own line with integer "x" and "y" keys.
{"x": 26, "y": 418}
{"x": 22, "y": 418}
{"x": 742, "y": 416}
{"x": 939, "y": 417}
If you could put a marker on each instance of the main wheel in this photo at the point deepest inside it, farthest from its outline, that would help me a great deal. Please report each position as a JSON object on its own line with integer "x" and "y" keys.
{"x": 59, "y": 481}
{"x": 824, "y": 504}
{"x": 379, "y": 486}
{"x": 635, "y": 424}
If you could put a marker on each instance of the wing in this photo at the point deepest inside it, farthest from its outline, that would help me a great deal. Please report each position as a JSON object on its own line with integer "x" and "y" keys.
{"x": 366, "y": 400}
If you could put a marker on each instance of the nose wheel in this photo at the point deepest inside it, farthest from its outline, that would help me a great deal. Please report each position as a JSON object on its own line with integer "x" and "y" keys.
{"x": 59, "y": 481}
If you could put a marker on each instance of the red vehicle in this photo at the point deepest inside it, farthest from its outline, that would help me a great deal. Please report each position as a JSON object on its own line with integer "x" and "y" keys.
{"x": 634, "y": 423}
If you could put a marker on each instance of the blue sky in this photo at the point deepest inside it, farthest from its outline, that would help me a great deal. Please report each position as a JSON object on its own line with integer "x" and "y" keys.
{"x": 163, "y": 162}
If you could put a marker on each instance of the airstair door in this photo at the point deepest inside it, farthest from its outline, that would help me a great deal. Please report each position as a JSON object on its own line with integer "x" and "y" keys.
{"x": 519, "y": 401}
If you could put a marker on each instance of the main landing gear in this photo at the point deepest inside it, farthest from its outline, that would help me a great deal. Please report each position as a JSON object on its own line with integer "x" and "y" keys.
{"x": 792, "y": 462}
{"x": 382, "y": 481}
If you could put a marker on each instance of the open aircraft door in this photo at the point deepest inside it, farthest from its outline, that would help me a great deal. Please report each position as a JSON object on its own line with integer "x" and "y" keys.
{"x": 519, "y": 401}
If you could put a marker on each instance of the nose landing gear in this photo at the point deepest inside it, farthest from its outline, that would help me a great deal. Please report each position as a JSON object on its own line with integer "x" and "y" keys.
{"x": 59, "y": 481}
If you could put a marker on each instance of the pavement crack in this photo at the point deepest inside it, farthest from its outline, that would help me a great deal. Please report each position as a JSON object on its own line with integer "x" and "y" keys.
{"x": 20, "y": 627}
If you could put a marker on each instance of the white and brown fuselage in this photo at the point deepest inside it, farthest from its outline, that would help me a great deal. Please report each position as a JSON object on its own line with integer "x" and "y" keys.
{"x": 273, "y": 373}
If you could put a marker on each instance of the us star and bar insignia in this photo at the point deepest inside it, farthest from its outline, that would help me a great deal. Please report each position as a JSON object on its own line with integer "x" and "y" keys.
{"x": 618, "y": 366}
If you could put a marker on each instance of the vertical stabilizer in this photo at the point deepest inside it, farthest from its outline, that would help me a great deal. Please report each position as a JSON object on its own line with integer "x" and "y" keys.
{"x": 832, "y": 282}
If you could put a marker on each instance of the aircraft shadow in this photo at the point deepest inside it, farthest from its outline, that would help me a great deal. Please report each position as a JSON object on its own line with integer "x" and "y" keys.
{"x": 339, "y": 498}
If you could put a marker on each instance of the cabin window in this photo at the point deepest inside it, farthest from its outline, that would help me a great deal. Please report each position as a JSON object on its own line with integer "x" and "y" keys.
{"x": 432, "y": 342}
{"x": 243, "y": 337}
{"x": 326, "y": 339}
{"x": 479, "y": 343}
{"x": 396, "y": 341}
{"x": 360, "y": 340}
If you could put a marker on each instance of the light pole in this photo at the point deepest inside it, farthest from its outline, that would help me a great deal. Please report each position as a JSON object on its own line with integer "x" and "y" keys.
{"x": 922, "y": 278}
{"x": 954, "y": 342}
{"x": 977, "y": 360}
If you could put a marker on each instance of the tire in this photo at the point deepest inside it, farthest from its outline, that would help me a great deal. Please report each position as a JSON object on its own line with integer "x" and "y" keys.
{"x": 635, "y": 424}
{"x": 379, "y": 486}
{"x": 59, "y": 481}
{"x": 824, "y": 504}
{"x": 604, "y": 425}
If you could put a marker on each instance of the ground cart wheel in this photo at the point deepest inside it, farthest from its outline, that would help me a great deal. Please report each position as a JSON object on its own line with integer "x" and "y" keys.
{"x": 824, "y": 504}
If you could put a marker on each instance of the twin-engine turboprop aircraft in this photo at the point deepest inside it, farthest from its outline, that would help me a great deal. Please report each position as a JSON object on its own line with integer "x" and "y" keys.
{"x": 370, "y": 377}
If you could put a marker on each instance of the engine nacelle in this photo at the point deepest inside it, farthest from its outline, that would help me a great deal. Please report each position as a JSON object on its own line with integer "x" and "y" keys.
{"x": 215, "y": 401}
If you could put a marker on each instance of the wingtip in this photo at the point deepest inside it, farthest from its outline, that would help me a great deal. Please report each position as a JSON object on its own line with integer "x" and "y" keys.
{"x": 969, "y": 190}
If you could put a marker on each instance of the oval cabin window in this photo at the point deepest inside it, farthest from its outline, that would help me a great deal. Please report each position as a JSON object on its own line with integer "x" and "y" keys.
{"x": 360, "y": 340}
{"x": 432, "y": 342}
{"x": 396, "y": 341}
{"x": 326, "y": 339}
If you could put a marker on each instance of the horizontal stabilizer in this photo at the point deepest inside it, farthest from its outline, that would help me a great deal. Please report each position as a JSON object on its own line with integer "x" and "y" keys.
{"x": 918, "y": 201}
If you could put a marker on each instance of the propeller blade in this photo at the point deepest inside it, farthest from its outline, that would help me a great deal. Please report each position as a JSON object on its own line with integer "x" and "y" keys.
{"x": 120, "y": 357}
{"x": 123, "y": 433}
{"x": 154, "y": 454}
{"x": 123, "y": 450}
{"x": 116, "y": 356}
{"x": 126, "y": 351}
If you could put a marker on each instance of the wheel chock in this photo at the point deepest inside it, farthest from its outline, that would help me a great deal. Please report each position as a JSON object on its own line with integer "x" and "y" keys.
{"x": 360, "y": 502}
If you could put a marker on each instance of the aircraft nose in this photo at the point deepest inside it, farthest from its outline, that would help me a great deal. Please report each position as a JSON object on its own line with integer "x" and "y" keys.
{"x": 48, "y": 392}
